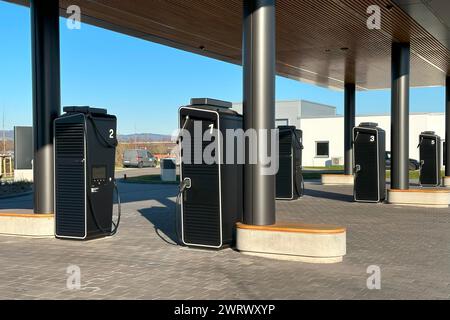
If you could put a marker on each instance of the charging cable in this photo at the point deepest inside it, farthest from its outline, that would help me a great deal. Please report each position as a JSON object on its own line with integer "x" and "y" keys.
{"x": 107, "y": 144}
{"x": 119, "y": 213}
{"x": 300, "y": 192}
{"x": 185, "y": 184}
{"x": 420, "y": 143}
{"x": 186, "y": 121}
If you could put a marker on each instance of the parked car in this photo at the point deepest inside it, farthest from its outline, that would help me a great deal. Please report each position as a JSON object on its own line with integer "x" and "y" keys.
{"x": 413, "y": 164}
{"x": 138, "y": 158}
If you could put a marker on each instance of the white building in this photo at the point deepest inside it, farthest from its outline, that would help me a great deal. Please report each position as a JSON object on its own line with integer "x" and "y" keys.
{"x": 290, "y": 112}
{"x": 323, "y": 129}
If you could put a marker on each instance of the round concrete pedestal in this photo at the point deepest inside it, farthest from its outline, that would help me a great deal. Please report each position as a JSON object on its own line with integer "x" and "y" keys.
{"x": 293, "y": 242}
{"x": 446, "y": 182}
{"x": 27, "y": 225}
{"x": 429, "y": 198}
{"x": 337, "y": 179}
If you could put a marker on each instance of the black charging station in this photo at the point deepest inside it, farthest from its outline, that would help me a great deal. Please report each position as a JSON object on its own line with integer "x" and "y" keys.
{"x": 84, "y": 154}
{"x": 430, "y": 159}
{"x": 211, "y": 194}
{"x": 369, "y": 148}
{"x": 289, "y": 179}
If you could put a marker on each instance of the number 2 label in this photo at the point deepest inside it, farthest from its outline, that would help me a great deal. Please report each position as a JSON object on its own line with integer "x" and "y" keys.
{"x": 111, "y": 134}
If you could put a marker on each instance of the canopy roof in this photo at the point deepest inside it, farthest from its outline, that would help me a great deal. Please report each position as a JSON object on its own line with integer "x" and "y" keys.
{"x": 325, "y": 42}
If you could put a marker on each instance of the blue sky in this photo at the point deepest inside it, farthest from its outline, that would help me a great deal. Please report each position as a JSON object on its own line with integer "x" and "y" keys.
{"x": 144, "y": 83}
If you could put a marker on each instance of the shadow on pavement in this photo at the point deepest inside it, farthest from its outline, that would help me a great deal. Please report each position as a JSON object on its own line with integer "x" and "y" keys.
{"x": 23, "y": 202}
{"x": 163, "y": 220}
{"x": 329, "y": 195}
{"x": 131, "y": 192}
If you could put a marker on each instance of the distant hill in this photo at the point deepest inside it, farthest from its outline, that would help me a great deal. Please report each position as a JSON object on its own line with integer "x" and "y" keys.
{"x": 139, "y": 137}
{"x": 144, "y": 137}
{"x": 9, "y": 135}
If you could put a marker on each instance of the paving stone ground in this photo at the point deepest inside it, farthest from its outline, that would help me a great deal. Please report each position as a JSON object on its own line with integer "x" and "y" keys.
{"x": 410, "y": 245}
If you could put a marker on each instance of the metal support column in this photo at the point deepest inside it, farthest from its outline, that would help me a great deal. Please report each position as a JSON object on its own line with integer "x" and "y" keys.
{"x": 400, "y": 116}
{"x": 447, "y": 126}
{"x": 258, "y": 55}
{"x": 349, "y": 124}
{"x": 46, "y": 96}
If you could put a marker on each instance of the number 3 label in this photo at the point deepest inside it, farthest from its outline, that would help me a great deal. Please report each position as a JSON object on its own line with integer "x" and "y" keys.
{"x": 372, "y": 138}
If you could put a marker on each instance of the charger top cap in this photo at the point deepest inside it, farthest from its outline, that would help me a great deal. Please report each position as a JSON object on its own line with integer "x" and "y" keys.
{"x": 369, "y": 124}
{"x": 84, "y": 109}
{"x": 211, "y": 102}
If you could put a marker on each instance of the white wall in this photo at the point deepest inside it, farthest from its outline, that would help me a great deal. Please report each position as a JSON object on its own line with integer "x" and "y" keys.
{"x": 289, "y": 110}
{"x": 332, "y": 130}
{"x": 310, "y": 109}
{"x": 320, "y": 123}
{"x": 295, "y": 109}
{"x": 237, "y": 106}
{"x": 322, "y": 129}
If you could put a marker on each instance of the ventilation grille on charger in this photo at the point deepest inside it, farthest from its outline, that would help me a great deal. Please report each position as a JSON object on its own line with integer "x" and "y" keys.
{"x": 366, "y": 156}
{"x": 70, "y": 180}
{"x": 201, "y": 212}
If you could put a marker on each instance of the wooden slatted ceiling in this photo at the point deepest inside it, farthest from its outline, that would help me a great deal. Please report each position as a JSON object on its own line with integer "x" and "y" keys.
{"x": 310, "y": 35}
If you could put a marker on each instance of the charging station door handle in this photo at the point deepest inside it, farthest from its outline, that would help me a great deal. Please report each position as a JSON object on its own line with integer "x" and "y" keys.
{"x": 186, "y": 184}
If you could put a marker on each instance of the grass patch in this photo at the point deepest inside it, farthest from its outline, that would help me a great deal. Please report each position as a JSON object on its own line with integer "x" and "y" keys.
{"x": 150, "y": 179}
{"x": 412, "y": 174}
{"x": 317, "y": 175}
{"x": 325, "y": 168}
{"x": 309, "y": 175}
{"x": 312, "y": 175}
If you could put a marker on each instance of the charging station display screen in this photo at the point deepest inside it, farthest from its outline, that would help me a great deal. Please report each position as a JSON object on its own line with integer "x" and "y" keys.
{"x": 99, "y": 173}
